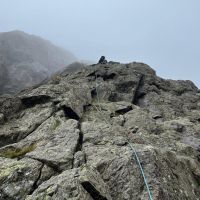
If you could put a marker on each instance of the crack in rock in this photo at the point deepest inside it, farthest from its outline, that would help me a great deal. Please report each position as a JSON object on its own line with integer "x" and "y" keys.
{"x": 35, "y": 185}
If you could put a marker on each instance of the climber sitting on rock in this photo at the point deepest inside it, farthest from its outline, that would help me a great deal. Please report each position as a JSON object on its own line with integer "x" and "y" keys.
{"x": 102, "y": 60}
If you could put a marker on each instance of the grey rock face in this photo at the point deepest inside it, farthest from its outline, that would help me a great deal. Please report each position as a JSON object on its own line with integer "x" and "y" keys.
{"x": 24, "y": 124}
{"x": 18, "y": 178}
{"x": 78, "y": 183}
{"x": 70, "y": 138}
{"x": 26, "y": 60}
{"x": 9, "y": 105}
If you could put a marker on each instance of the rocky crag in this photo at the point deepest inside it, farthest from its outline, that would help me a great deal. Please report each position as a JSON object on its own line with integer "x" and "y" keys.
{"x": 26, "y": 60}
{"x": 69, "y": 138}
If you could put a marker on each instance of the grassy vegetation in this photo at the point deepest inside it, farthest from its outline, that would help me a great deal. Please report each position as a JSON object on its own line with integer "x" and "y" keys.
{"x": 17, "y": 152}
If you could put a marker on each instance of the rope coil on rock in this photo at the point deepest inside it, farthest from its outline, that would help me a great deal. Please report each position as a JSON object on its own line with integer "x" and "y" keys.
{"x": 131, "y": 145}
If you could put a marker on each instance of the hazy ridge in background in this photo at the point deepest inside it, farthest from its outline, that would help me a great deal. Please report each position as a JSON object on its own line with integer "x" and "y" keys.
{"x": 163, "y": 34}
{"x": 27, "y": 59}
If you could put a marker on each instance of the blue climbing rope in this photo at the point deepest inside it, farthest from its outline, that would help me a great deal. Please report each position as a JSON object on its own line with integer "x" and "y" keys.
{"x": 142, "y": 171}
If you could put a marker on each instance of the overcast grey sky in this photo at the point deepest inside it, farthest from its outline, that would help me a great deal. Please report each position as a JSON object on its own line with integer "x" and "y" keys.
{"x": 162, "y": 33}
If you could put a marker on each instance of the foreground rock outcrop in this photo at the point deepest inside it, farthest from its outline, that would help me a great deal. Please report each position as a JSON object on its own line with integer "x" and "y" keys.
{"x": 69, "y": 138}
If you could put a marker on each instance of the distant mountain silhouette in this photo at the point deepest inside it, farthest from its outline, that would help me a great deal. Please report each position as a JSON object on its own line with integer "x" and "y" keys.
{"x": 27, "y": 59}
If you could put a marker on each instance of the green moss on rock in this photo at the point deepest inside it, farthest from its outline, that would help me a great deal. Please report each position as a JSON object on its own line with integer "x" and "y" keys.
{"x": 17, "y": 152}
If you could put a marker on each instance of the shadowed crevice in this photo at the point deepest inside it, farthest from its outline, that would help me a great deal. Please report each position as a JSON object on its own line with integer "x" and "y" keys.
{"x": 69, "y": 113}
{"x": 93, "y": 93}
{"x": 124, "y": 110}
{"x": 34, "y": 100}
{"x": 104, "y": 76}
{"x": 108, "y": 76}
{"x": 139, "y": 92}
{"x": 92, "y": 191}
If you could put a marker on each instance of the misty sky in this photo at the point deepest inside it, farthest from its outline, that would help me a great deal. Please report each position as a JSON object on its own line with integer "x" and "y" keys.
{"x": 162, "y": 33}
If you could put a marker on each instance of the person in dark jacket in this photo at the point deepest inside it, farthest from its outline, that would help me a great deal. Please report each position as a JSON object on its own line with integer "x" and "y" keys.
{"x": 102, "y": 60}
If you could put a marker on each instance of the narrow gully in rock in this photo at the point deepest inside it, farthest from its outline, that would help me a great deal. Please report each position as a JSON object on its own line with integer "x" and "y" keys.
{"x": 92, "y": 191}
{"x": 34, "y": 100}
{"x": 70, "y": 114}
{"x": 137, "y": 93}
{"x": 79, "y": 142}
